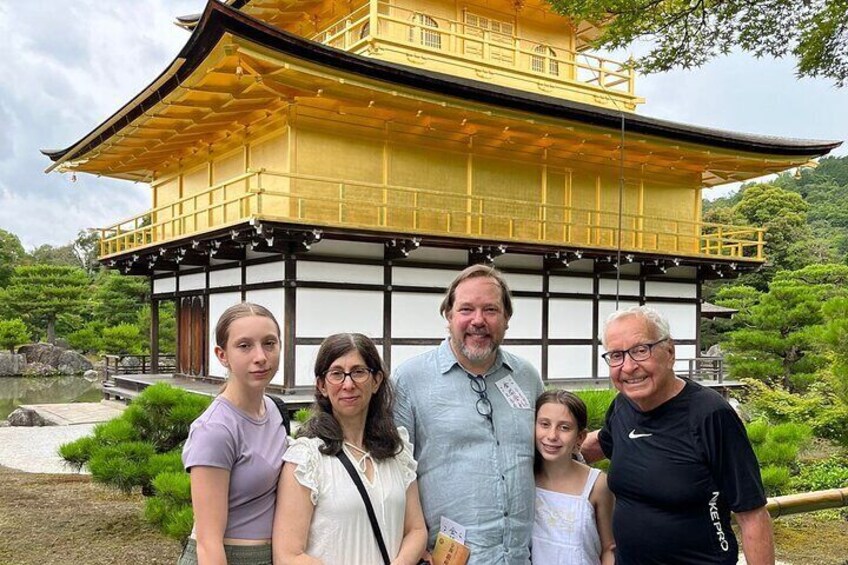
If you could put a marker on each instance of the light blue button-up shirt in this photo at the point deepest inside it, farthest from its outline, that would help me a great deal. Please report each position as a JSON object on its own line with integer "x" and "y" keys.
{"x": 476, "y": 472}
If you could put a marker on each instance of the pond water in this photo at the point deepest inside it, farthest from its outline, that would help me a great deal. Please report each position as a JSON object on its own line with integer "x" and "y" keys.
{"x": 15, "y": 391}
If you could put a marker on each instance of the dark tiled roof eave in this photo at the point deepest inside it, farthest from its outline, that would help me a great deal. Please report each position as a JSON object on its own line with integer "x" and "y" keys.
{"x": 218, "y": 19}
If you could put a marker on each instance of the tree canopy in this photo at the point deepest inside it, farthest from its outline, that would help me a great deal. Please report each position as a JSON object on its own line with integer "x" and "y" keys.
{"x": 688, "y": 34}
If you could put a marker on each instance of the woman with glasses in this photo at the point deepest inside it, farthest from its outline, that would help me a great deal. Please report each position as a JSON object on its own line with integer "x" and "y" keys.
{"x": 321, "y": 516}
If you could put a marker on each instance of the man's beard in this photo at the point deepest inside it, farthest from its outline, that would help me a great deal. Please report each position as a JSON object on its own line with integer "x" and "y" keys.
{"x": 476, "y": 354}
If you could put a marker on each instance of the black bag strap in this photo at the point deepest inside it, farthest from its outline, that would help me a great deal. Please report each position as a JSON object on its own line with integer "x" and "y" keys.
{"x": 284, "y": 412}
{"x": 367, "y": 500}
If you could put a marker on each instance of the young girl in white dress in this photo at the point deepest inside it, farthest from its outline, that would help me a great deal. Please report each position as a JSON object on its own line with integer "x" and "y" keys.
{"x": 573, "y": 524}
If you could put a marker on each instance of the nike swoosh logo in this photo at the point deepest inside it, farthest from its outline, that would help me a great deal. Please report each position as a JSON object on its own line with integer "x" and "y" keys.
{"x": 634, "y": 435}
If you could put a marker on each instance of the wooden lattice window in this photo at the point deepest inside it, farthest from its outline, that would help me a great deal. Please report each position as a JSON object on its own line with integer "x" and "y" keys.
{"x": 537, "y": 62}
{"x": 426, "y": 34}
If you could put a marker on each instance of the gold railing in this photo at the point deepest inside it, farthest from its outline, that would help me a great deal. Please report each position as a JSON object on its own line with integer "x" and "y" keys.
{"x": 465, "y": 43}
{"x": 315, "y": 200}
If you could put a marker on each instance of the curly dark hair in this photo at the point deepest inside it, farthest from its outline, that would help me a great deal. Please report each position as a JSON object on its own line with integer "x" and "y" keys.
{"x": 381, "y": 437}
{"x": 571, "y": 401}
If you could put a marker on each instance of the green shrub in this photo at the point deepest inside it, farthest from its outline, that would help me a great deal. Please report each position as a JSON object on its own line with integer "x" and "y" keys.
{"x": 775, "y": 479}
{"x": 173, "y": 486}
{"x": 123, "y": 466}
{"x": 790, "y": 433}
{"x": 179, "y": 522}
{"x": 77, "y": 453}
{"x": 170, "y": 509}
{"x": 822, "y": 475}
{"x": 114, "y": 432}
{"x": 773, "y": 453}
{"x": 13, "y": 333}
{"x": 84, "y": 340}
{"x": 170, "y": 462}
{"x": 302, "y": 415}
{"x": 153, "y": 412}
{"x": 123, "y": 339}
{"x": 757, "y": 431}
{"x": 142, "y": 448}
{"x": 597, "y": 403}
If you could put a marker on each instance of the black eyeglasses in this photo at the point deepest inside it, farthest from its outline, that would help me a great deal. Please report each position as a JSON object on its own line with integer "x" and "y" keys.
{"x": 357, "y": 375}
{"x": 641, "y": 352}
{"x": 484, "y": 405}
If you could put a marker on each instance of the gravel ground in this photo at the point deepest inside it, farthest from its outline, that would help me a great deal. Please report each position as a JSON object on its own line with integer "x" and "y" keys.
{"x": 35, "y": 449}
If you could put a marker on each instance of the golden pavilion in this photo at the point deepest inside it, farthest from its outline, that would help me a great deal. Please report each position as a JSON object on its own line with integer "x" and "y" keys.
{"x": 340, "y": 161}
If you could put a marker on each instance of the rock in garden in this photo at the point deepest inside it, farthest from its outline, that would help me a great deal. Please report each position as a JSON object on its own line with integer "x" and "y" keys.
{"x": 27, "y": 417}
{"x": 39, "y": 370}
{"x": 11, "y": 364}
{"x": 44, "y": 353}
{"x": 72, "y": 363}
{"x": 91, "y": 376}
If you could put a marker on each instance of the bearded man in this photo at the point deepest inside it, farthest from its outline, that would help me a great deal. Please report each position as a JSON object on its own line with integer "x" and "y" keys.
{"x": 469, "y": 408}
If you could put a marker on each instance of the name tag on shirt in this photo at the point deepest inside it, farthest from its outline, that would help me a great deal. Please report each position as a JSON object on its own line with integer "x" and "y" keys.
{"x": 513, "y": 393}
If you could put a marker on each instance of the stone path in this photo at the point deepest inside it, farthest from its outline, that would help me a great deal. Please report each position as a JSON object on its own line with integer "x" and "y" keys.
{"x": 35, "y": 449}
{"x": 78, "y": 412}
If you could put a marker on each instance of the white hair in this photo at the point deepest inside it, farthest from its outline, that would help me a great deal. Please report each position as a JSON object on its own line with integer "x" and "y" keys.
{"x": 656, "y": 321}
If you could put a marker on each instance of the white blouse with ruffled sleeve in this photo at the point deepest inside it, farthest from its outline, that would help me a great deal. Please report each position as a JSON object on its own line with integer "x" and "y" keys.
{"x": 340, "y": 532}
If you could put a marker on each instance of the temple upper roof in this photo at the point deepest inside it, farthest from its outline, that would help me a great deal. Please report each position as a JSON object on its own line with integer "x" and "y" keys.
{"x": 221, "y": 23}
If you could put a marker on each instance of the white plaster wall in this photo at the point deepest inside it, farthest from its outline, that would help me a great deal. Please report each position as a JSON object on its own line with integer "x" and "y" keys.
{"x": 401, "y": 353}
{"x": 196, "y": 281}
{"x": 456, "y": 257}
{"x": 164, "y": 285}
{"x": 217, "y": 304}
{"x": 434, "y": 278}
{"x": 347, "y": 249}
{"x": 682, "y": 318}
{"x": 225, "y": 277}
{"x": 670, "y": 289}
{"x": 684, "y": 352}
{"x": 531, "y": 283}
{"x": 530, "y": 353}
{"x": 321, "y": 312}
{"x": 582, "y": 285}
{"x": 570, "y": 318}
{"x": 304, "y": 364}
{"x": 626, "y": 287}
{"x": 526, "y": 321}
{"x": 417, "y": 315}
{"x": 569, "y": 361}
{"x": 339, "y": 272}
{"x": 265, "y": 272}
{"x": 274, "y": 300}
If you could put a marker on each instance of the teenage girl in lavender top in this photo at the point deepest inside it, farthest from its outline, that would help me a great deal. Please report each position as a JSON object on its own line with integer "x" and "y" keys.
{"x": 234, "y": 450}
{"x": 573, "y": 524}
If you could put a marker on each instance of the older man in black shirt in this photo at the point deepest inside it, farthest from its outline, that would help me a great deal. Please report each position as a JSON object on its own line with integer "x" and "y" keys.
{"x": 680, "y": 458}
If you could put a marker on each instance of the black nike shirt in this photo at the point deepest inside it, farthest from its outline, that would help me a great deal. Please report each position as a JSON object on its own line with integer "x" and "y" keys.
{"x": 677, "y": 471}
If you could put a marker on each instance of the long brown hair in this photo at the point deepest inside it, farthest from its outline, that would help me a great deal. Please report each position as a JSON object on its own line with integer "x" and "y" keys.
{"x": 381, "y": 437}
{"x": 571, "y": 401}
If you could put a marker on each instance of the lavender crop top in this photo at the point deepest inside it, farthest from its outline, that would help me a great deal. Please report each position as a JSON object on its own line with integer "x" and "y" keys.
{"x": 252, "y": 450}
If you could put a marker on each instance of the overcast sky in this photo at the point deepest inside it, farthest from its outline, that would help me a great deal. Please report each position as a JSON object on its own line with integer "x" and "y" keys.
{"x": 70, "y": 65}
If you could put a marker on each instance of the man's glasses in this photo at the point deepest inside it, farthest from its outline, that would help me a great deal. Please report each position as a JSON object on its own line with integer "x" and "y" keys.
{"x": 484, "y": 405}
{"x": 641, "y": 352}
{"x": 357, "y": 375}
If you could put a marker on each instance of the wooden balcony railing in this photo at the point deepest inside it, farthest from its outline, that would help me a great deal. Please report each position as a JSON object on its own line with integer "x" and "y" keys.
{"x": 473, "y": 49}
{"x": 314, "y": 200}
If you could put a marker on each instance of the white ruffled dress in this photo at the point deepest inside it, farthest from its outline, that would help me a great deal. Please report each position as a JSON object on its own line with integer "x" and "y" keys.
{"x": 340, "y": 532}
